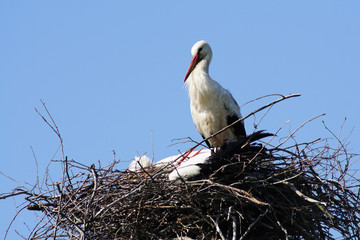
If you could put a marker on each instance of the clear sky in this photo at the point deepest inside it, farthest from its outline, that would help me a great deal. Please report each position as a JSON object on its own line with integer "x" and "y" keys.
{"x": 111, "y": 74}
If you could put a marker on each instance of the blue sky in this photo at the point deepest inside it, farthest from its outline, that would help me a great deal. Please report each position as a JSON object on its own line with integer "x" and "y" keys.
{"x": 111, "y": 74}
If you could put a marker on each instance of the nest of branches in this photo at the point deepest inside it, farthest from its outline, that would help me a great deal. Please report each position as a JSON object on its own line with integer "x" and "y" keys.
{"x": 297, "y": 192}
{"x": 252, "y": 191}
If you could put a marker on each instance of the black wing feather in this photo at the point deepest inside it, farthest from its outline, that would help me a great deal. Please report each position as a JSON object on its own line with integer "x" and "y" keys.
{"x": 206, "y": 141}
{"x": 239, "y": 129}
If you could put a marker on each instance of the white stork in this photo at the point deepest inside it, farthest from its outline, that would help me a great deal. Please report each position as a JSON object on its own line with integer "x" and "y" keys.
{"x": 181, "y": 166}
{"x": 212, "y": 106}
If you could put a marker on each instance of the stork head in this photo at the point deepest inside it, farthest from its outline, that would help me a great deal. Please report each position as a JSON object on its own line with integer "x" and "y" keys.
{"x": 200, "y": 51}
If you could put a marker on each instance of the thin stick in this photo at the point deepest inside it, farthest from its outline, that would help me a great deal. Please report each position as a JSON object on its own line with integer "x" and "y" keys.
{"x": 302, "y": 125}
{"x": 253, "y": 224}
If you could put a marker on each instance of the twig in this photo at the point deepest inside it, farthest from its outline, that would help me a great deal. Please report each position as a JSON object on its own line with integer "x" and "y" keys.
{"x": 302, "y": 125}
{"x": 251, "y": 226}
{"x": 12, "y": 221}
{"x": 13, "y": 194}
{"x": 343, "y": 147}
{"x": 218, "y": 229}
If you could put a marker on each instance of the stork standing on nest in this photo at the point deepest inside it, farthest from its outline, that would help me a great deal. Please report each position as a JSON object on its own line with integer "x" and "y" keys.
{"x": 212, "y": 106}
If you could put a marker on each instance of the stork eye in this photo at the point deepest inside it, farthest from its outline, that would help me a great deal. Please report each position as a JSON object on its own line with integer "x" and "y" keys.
{"x": 200, "y": 49}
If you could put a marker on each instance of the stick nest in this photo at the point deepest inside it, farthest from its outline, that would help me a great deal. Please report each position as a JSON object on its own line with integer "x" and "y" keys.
{"x": 299, "y": 192}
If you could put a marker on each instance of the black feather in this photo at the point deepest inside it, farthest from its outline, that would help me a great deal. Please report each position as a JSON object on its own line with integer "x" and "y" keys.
{"x": 239, "y": 129}
{"x": 206, "y": 141}
{"x": 232, "y": 147}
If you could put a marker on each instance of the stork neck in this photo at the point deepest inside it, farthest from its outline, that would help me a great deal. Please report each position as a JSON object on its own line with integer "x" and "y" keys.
{"x": 200, "y": 75}
{"x": 200, "y": 83}
{"x": 203, "y": 66}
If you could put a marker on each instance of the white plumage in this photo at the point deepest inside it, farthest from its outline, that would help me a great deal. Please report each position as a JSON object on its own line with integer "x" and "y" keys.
{"x": 181, "y": 166}
{"x": 139, "y": 163}
{"x": 212, "y": 106}
{"x": 190, "y": 168}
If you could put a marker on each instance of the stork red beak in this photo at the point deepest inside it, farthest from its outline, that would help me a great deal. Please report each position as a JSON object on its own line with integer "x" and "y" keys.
{"x": 193, "y": 64}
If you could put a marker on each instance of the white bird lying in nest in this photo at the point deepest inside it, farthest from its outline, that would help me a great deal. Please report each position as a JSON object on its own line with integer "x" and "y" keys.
{"x": 185, "y": 166}
{"x": 196, "y": 164}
